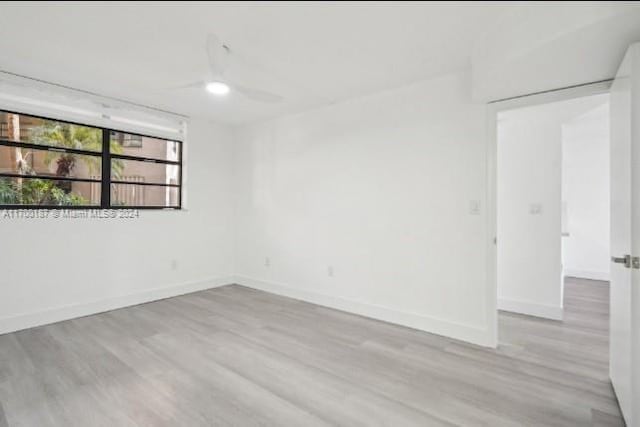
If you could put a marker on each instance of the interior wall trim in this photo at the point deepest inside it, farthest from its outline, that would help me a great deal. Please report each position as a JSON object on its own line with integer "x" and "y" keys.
{"x": 587, "y": 274}
{"x": 434, "y": 325}
{"x": 542, "y": 92}
{"x": 57, "y": 314}
{"x": 530, "y": 309}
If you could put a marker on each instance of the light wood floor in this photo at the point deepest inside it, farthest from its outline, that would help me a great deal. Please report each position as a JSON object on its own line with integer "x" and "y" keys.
{"x": 236, "y": 356}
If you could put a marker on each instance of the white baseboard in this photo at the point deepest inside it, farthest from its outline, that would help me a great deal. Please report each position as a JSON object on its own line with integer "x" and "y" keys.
{"x": 468, "y": 333}
{"x": 530, "y": 309}
{"x": 585, "y": 274}
{"x": 30, "y": 320}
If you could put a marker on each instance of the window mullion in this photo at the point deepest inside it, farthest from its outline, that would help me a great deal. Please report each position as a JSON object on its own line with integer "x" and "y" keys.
{"x": 105, "y": 199}
{"x": 180, "y": 153}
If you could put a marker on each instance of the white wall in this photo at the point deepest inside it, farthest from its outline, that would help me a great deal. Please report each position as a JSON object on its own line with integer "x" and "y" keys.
{"x": 365, "y": 206}
{"x": 585, "y": 187}
{"x": 55, "y": 269}
{"x": 529, "y": 179}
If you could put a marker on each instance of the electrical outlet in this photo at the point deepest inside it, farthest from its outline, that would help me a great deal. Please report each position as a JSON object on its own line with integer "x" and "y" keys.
{"x": 330, "y": 271}
{"x": 267, "y": 262}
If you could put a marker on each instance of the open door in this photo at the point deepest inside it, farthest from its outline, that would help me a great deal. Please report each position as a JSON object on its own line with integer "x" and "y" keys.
{"x": 625, "y": 236}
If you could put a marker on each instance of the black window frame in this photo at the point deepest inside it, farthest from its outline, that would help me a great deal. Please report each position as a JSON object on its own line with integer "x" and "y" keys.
{"x": 106, "y": 156}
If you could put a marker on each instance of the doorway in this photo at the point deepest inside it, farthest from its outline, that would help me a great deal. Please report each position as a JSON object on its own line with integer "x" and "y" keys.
{"x": 552, "y": 202}
{"x": 552, "y": 228}
{"x": 624, "y": 301}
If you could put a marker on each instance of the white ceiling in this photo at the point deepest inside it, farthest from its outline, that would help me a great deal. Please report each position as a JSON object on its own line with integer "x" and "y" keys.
{"x": 560, "y": 45}
{"x": 313, "y": 54}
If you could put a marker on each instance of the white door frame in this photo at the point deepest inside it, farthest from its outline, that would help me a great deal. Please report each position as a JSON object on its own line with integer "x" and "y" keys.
{"x": 493, "y": 108}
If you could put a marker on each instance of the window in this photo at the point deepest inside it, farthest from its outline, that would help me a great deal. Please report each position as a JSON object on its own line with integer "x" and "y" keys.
{"x": 46, "y": 163}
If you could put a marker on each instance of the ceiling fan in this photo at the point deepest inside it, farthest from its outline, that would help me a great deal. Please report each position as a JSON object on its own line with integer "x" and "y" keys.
{"x": 219, "y": 83}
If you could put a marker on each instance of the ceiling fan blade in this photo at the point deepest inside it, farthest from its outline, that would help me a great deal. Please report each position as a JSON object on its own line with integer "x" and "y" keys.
{"x": 197, "y": 84}
{"x": 218, "y": 55}
{"x": 257, "y": 94}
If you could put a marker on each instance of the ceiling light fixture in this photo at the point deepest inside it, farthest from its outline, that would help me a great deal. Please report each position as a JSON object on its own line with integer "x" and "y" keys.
{"x": 218, "y": 88}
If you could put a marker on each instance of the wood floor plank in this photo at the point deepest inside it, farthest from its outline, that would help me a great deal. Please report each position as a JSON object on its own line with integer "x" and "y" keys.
{"x": 237, "y": 356}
